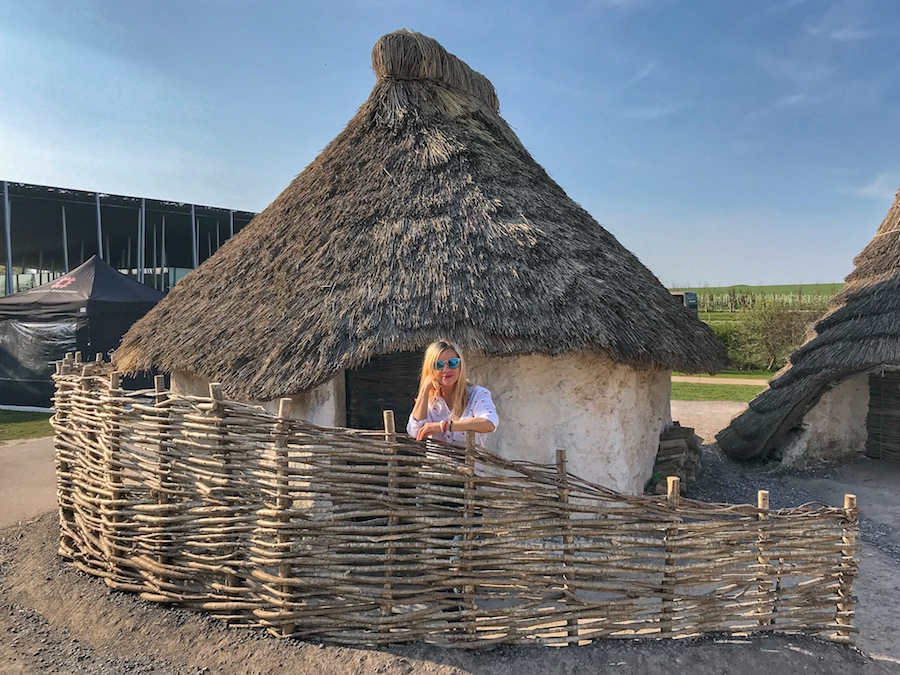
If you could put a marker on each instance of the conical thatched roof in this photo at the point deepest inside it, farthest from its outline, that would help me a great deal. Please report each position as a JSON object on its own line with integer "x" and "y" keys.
{"x": 425, "y": 217}
{"x": 860, "y": 332}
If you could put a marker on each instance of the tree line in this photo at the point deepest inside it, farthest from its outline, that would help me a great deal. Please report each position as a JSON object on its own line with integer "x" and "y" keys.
{"x": 762, "y": 332}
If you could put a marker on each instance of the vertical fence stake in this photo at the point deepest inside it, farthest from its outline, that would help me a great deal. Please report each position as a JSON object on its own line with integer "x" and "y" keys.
{"x": 848, "y": 569}
{"x": 673, "y": 496}
{"x": 232, "y": 580}
{"x": 568, "y": 540}
{"x": 164, "y": 467}
{"x": 284, "y": 502}
{"x": 64, "y": 484}
{"x": 469, "y": 530}
{"x": 390, "y": 435}
{"x": 111, "y": 433}
{"x": 766, "y": 599}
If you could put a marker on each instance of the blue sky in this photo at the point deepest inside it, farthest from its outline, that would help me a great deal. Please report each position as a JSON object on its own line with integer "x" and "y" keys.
{"x": 723, "y": 142}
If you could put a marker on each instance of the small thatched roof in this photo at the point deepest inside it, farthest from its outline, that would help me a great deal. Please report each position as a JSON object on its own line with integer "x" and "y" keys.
{"x": 425, "y": 217}
{"x": 860, "y": 333}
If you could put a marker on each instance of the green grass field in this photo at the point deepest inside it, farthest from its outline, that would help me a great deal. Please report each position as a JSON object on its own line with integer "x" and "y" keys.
{"x": 826, "y": 290}
{"x": 690, "y": 391}
{"x": 16, "y": 425}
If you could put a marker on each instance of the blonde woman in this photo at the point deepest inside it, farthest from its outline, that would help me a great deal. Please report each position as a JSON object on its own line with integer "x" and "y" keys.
{"x": 447, "y": 405}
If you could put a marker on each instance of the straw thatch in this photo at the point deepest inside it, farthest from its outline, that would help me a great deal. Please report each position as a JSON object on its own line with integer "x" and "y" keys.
{"x": 860, "y": 333}
{"x": 425, "y": 217}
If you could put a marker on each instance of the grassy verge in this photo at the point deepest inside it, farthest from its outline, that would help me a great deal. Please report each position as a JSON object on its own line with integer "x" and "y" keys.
{"x": 690, "y": 391}
{"x": 732, "y": 373}
{"x": 16, "y": 425}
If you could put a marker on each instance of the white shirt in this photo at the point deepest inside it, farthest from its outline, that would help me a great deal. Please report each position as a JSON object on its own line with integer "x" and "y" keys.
{"x": 480, "y": 405}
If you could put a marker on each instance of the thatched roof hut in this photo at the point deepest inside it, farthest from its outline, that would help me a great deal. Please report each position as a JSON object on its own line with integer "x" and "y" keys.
{"x": 819, "y": 403}
{"x": 425, "y": 217}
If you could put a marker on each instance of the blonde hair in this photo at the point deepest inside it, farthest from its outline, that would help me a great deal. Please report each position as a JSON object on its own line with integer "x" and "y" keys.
{"x": 429, "y": 374}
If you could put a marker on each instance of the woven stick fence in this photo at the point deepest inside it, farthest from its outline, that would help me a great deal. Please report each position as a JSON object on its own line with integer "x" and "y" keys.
{"x": 369, "y": 538}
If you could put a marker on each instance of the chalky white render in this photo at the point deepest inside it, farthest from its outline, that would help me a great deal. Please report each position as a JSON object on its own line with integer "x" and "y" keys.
{"x": 606, "y": 415}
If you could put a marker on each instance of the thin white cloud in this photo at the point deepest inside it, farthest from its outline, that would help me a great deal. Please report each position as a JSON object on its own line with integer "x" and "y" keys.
{"x": 795, "y": 99}
{"x": 843, "y": 33}
{"x": 883, "y": 186}
{"x": 648, "y": 113}
{"x": 622, "y": 4}
{"x": 783, "y": 103}
{"x": 644, "y": 72}
{"x": 842, "y": 22}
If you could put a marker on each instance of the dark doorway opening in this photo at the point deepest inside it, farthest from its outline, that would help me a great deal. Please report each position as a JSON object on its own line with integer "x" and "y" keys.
{"x": 389, "y": 382}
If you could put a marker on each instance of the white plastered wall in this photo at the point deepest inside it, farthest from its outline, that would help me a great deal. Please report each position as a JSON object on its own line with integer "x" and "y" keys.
{"x": 606, "y": 415}
{"x": 835, "y": 428}
{"x": 324, "y": 406}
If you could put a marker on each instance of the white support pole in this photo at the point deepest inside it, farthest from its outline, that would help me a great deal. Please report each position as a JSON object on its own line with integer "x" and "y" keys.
{"x": 195, "y": 235}
{"x": 155, "y": 261}
{"x": 7, "y": 227}
{"x": 99, "y": 227}
{"x": 162, "y": 255}
{"x": 142, "y": 235}
{"x": 65, "y": 240}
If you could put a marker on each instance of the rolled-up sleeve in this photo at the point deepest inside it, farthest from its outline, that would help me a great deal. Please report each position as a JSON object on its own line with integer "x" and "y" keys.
{"x": 413, "y": 426}
{"x": 483, "y": 406}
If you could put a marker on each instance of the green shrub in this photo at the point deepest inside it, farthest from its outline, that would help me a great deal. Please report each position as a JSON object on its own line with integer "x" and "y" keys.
{"x": 764, "y": 334}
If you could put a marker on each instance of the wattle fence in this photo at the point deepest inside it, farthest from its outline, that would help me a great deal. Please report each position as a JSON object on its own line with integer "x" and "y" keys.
{"x": 369, "y": 538}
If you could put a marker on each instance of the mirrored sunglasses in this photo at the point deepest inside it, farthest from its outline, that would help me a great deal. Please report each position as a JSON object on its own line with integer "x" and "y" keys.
{"x": 453, "y": 363}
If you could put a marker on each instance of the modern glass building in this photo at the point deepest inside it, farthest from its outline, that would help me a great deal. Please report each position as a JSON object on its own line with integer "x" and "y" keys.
{"x": 48, "y": 231}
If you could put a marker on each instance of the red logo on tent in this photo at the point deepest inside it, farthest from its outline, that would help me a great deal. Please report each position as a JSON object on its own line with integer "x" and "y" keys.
{"x": 63, "y": 282}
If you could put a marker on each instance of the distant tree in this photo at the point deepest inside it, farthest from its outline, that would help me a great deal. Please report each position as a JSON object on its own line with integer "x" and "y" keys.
{"x": 770, "y": 330}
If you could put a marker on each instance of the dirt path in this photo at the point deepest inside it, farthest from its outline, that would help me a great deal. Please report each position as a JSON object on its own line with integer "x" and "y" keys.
{"x": 27, "y": 480}
{"x": 707, "y": 418}
{"x": 706, "y": 379}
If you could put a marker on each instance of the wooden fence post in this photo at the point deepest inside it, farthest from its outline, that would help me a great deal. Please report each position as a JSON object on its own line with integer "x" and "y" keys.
{"x": 568, "y": 563}
{"x": 766, "y": 599}
{"x": 845, "y": 612}
{"x": 232, "y": 580}
{"x": 163, "y": 466}
{"x": 390, "y": 435}
{"x": 673, "y": 496}
{"x": 64, "y": 484}
{"x": 284, "y": 502}
{"x": 111, "y": 433}
{"x": 469, "y": 530}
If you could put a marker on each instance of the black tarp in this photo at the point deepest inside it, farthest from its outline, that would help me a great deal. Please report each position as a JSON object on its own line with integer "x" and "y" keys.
{"x": 88, "y": 310}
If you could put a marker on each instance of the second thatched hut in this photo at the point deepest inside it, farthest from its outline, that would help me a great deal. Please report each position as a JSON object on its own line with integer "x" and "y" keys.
{"x": 839, "y": 395}
{"x": 426, "y": 217}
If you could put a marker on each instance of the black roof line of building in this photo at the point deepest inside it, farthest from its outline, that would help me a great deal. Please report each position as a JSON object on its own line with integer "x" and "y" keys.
{"x": 30, "y": 190}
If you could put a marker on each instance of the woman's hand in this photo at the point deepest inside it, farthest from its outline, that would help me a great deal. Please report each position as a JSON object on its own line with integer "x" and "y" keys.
{"x": 428, "y": 429}
{"x": 426, "y": 388}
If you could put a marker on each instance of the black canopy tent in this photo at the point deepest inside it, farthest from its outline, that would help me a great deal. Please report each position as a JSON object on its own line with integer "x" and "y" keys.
{"x": 88, "y": 310}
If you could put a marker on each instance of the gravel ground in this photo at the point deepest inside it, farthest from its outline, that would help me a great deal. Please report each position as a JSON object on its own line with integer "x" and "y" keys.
{"x": 724, "y": 480}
